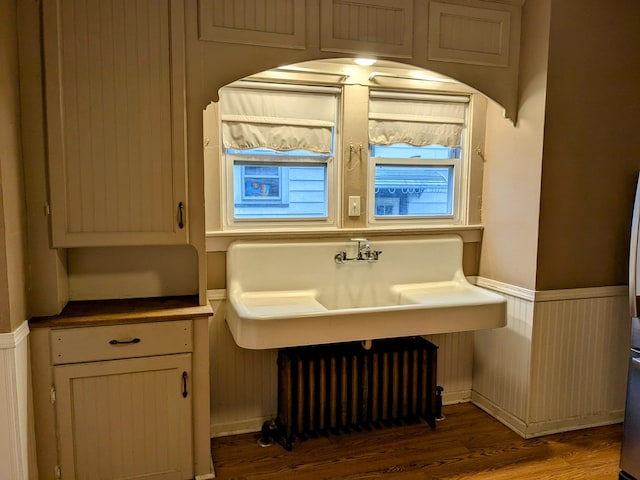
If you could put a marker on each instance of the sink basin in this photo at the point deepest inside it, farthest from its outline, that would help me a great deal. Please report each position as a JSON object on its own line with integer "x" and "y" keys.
{"x": 283, "y": 294}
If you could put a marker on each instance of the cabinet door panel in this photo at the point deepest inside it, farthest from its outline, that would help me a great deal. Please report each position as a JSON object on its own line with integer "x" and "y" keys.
{"x": 114, "y": 77}
{"x": 125, "y": 419}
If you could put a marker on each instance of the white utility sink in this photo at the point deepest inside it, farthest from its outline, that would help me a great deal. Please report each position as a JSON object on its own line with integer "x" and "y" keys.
{"x": 283, "y": 294}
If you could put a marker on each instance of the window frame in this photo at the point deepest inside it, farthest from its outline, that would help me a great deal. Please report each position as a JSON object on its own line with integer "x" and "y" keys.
{"x": 460, "y": 182}
{"x": 329, "y": 161}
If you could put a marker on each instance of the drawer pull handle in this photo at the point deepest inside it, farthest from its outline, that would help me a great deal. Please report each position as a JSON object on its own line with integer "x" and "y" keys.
{"x": 181, "y": 215}
{"x": 124, "y": 342}
{"x": 184, "y": 385}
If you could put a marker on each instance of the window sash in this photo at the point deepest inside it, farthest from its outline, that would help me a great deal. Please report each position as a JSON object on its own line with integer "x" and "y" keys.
{"x": 454, "y": 195}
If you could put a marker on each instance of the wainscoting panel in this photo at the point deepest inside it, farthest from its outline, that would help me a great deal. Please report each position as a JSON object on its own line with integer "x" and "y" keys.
{"x": 560, "y": 363}
{"x": 455, "y": 365}
{"x": 501, "y": 362}
{"x": 14, "y": 428}
{"x": 579, "y": 363}
{"x": 244, "y": 382}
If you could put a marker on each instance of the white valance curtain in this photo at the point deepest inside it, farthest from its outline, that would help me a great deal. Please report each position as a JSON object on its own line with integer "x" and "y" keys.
{"x": 278, "y": 119}
{"x": 416, "y": 119}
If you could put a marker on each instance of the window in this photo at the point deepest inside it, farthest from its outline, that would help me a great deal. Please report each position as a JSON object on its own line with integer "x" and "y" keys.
{"x": 416, "y": 151}
{"x": 278, "y": 146}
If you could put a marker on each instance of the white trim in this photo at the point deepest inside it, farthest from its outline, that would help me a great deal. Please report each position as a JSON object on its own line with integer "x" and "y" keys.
{"x": 514, "y": 423}
{"x": 218, "y": 241}
{"x": 551, "y": 295}
{"x": 453, "y": 398}
{"x": 238, "y": 427}
{"x": 217, "y": 295}
{"x": 506, "y": 288}
{"x": 13, "y": 402}
{"x": 12, "y": 339}
{"x": 539, "y": 429}
{"x": 288, "y": 87}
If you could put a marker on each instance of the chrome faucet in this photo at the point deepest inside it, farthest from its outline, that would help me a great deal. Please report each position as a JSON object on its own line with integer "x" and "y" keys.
{"x": 364, "y": 253}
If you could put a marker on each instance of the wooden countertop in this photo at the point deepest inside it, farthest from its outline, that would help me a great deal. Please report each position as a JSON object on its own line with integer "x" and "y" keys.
{"x": 109, "y": 312}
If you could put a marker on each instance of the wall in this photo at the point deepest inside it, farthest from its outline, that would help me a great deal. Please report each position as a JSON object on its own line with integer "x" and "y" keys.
{"x": 511, "y": 190}
{"x": 48, "y": 292}
{"x": 13, "y": 271}
{"x": 566, "y": 345}
{"x": 14, "y": 448}
{"x": 591, "y": 144}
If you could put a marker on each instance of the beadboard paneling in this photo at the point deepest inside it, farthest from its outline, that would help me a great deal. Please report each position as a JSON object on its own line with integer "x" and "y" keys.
{"x": 114, "y": 119}
{"x": 14, "y": 429}
{"x": 462, "y": 33}
{"x": 276, "y": 23}
{"x": 145, "y": 428}
{"x": 560, "y": 363}
{"x": 502, "y": 358}
{"x": 381, "y": 26}
{"x": 455, "y": 365}
{"x": 557, "y": 365}
{"x": 244, "y": 382}
{"x": 579, "y": 360}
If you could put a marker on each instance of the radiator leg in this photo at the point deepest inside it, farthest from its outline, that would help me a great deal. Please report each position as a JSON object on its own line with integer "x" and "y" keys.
{"x": 267, "y": 433}
{"x": 439, "y": 415}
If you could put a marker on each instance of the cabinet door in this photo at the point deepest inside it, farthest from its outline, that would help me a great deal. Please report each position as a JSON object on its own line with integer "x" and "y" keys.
{"x": 114, "y": 83}
{"x": 124, "y": 419}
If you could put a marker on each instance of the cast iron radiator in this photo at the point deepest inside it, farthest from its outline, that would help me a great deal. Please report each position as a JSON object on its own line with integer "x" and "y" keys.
{"x": 338, "y": 387}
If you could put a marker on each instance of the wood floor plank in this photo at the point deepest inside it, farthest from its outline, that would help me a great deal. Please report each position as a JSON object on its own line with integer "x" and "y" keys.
{"x": 468, "y": 445}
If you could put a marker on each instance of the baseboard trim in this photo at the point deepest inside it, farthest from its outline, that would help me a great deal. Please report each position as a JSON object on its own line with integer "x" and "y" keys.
{"x": 250, "y": 425}
{"x": 539, "y": 429}
{"x": 509, "y": 420}
{"x": 452, "y": 398}
{"x": 575, "y": 423}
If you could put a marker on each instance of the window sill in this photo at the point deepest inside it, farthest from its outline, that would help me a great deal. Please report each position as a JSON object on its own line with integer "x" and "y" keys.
{"x": 218, "y": 241}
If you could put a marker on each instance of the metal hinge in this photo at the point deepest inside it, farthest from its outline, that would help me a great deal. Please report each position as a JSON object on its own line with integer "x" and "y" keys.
{"x": 58, "y": 472}
{"x": 53, "y": 394}
{"x": 47, "y": 210}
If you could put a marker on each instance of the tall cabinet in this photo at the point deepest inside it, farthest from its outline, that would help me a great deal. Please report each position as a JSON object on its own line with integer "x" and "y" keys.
{"x": 115, "y": 103}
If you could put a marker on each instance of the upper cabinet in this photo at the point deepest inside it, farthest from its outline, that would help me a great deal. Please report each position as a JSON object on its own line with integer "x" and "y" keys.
{"x": 115, "y": 101}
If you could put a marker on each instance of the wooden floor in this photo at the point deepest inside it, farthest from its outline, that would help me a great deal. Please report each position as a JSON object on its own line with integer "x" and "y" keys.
{"x": 468, "y": 444}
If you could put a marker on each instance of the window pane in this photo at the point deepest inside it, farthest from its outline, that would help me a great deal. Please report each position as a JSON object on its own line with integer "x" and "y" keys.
{"x": 413, "y": 191}
{"x": 280, "y": 192}
{"x": 403, "y": 150}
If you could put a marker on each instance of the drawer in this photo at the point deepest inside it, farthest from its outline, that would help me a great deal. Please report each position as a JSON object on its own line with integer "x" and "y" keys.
{"x": 109, "y": 342}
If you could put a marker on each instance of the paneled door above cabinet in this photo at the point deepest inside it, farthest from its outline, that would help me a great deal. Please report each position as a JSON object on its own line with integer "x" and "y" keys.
{"x": 114, "y": 83}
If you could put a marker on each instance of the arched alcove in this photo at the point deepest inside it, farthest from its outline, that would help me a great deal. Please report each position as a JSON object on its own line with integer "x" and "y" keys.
{"x": 355, "y": 81}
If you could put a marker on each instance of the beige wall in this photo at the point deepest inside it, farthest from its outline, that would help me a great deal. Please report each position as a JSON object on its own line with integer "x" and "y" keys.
{"x": 513, "y": 157}
{"x": 13, "y": 271}
{"x": 591, "y": 143}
